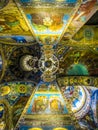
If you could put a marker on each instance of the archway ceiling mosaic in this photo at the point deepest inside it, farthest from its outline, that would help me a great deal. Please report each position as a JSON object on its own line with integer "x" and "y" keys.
{"x": 45, "y": 23}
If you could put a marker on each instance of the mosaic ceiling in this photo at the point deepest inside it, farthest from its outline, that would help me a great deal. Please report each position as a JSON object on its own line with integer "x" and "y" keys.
{"x": 48, "y": 65}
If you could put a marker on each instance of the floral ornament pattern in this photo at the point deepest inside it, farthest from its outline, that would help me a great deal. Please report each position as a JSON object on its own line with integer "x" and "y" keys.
{"x": 22, "y": 89}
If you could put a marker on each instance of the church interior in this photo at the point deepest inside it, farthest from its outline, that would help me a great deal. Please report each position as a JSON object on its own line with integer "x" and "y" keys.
{"x": 48, "y": 64}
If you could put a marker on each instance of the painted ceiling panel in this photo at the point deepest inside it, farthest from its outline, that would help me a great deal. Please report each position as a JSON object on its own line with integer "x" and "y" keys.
{"x": 84, "y": 13}
{"x": 11, "y": 21}
{"x": 45, "y": 23}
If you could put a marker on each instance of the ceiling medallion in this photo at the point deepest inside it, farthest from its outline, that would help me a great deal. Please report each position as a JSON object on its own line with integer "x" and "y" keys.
{"x": 48, "y": 64}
